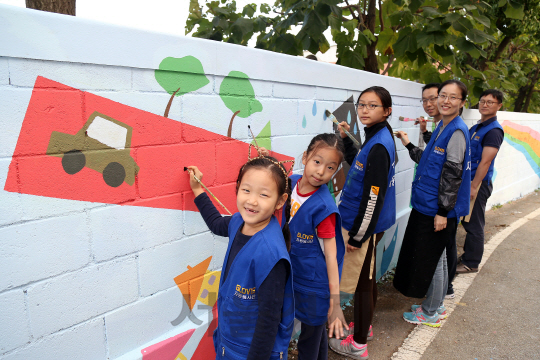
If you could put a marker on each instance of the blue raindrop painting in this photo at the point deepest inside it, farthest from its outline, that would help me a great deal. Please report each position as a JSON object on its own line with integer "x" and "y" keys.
{"x": 304, "y": 122}
{"x": 314, "y": 110}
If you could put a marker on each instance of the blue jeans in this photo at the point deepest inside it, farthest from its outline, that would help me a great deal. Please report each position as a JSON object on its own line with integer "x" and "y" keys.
{"x": 437, "y": 288}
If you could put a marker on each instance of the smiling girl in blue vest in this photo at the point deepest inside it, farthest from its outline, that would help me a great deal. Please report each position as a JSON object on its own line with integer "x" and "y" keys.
{"x": 255, "y": 298}
{"x": 368, "y": 208}
{"x": 317, "y": 247}
{"x": 440, "y": 195}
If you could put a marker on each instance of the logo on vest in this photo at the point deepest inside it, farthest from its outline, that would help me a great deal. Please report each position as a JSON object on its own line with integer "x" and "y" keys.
{"x": 304, "y": 238}
{"x": 438, "y": 150}
{"x": 359, "y": 165}
{"x": 243, "y": 293}
{"x": 477, "y": 138}
{"x": 373, "y": 195}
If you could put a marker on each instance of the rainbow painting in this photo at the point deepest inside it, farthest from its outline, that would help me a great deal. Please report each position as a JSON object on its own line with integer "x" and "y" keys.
{"x": 525, "y": 140}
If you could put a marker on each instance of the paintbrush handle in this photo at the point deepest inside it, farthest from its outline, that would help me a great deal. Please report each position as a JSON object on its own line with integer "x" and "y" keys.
{"x": 409, "y": 119}
{"x": 214, "y": 196}
{"x": 346, "y": 132}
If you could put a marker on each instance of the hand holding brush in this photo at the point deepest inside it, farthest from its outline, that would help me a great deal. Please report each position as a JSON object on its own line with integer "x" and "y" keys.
{"x": 195, "y": 181}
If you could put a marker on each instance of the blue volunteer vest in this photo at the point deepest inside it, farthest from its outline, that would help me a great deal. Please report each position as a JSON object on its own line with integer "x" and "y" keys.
{"x": 311, "y": 286}
{"x": 351, "y": 195}
{"x": 237, "y": 297}
{"x": 425, "y": 187}
{"x": 476, "y": 147}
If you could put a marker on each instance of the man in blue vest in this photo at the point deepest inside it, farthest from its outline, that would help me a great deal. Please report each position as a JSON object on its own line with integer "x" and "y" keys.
{"x": 486, "y": 139}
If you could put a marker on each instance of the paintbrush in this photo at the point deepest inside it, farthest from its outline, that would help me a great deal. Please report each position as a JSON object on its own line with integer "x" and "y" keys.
{"x": 401, "y": 118}
{"x": 204, "y": 186}
{"x": 253, "y": 136}
{"x": 334, "y": 120}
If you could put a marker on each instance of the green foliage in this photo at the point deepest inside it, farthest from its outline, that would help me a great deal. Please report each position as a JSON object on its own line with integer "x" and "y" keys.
{"x": 238, "y": 95}
{"x": 186, "y": 73}
{"x": 486, "y": 44}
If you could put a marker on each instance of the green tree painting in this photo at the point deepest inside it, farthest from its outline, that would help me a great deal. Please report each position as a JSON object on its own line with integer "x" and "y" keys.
{"x": 238, "y": 95}
{"x": 179, "y": 76}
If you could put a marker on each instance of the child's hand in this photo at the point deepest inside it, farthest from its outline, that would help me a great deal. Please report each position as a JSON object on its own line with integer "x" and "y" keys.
{"x": 403, "y": 136}
{"x": 195, "y": 185}
{"x": 423, "y": 124}
{"x": 263, "y": 151}
{"x": 343, "y": 125}
{"x": 336, "y": 320}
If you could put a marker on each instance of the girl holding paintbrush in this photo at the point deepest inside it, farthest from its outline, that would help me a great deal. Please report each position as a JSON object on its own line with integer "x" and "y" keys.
{"x": 317, "y": 247}
{"x": 255, "y": 298}
{"x": 368, "y": 208}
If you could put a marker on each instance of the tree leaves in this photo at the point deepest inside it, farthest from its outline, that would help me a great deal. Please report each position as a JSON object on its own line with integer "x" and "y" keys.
{"x": 238, "y": 95}
{"x": 514, "y": 10}
{"x": 405, "y": 42}
{"x": 186, "y": 73}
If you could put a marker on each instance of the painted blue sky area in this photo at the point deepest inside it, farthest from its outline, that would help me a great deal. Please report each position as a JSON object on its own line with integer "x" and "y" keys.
{"x": 521, "y": 149}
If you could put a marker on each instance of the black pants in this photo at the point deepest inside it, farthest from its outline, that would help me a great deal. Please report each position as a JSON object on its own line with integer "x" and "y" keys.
{"x": 313, "y": 343}
{"x": 420, "y": 253}
{"x": 474, "y": 241}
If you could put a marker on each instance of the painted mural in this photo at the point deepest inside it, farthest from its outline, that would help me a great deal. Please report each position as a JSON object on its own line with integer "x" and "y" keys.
{"x": 526, "y": 140}
{"x": 80, "y": 146}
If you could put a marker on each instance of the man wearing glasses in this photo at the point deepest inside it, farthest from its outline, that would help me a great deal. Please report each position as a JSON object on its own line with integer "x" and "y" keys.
{"x": 486, "y": 139}
{"x": 429, "y": 102}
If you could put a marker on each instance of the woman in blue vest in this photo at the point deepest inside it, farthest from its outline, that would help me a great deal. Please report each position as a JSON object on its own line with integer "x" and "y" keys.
{"x": 440, "y": 195}
{"x": 368, "y": 208}
{"x": 255, "y": 298}
{"x": 317, "y": 247}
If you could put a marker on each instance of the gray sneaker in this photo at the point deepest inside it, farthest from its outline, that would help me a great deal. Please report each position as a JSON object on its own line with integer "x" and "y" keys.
{"x": 351, "y": 331}
{"x": 349, "y": 348}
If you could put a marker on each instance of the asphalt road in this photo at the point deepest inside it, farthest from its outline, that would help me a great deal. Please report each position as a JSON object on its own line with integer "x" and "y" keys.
{"x": 499, "y": 315}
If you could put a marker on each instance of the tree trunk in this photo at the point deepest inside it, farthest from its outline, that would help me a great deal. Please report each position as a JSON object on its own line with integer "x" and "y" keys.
{"x": 523, "y": 98}
{"x": 229, "y": 131}
{"x": 166, "y": 114}
{"x": 531, "y": 91}
{"x": 371, "y": 63}
{"x": 57, "y": 6}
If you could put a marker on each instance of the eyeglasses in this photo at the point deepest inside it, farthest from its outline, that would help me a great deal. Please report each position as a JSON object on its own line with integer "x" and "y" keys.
{"x": 443, "y": 97}
{"x": 489, "y": 102}
{"x": 432, "y": 100}
{"x": 361, "y": 106}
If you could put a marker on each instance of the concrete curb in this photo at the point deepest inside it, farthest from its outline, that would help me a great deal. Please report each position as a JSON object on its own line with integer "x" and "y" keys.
{"x": 419, "y": 339}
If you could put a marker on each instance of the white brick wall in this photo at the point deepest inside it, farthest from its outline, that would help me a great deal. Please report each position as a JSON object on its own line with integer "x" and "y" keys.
{"x": 160, "y": 265}
{"x": 39, "y": 249}
{"x": 82, "y": 342}
{"x": 4, "y": 71}
{"x": 67, "y": 300}
{"x": 15, "y": 331}
{"x": 121, "y": 230}
{"x": 86, "y": 280}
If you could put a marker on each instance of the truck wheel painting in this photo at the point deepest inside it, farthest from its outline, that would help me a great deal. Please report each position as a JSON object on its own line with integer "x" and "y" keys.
{"x": 102, "y": 144}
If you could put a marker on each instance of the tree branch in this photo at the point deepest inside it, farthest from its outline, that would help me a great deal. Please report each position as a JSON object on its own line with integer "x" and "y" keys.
{"x": 352, "y": 7}
{"x": 380, "y": 16}
{"x": 439, "y": 63}
{"x": 390, "y": 60}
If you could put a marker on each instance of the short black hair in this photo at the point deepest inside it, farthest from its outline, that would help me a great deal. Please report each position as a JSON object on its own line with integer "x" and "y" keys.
{"x": 497, "y": 94}
{"x": 431, "y": 85}
{"x": 462, "y": 87}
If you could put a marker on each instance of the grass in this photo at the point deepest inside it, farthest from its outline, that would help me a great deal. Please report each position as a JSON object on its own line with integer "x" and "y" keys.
{"x": 496, "y": 206}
